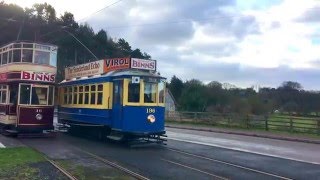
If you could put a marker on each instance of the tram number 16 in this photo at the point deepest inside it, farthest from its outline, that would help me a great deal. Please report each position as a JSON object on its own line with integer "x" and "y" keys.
{"x": 151, "y": 110}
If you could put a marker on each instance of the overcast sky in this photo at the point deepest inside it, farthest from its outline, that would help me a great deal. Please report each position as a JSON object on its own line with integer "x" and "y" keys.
{"x": 243, "y": 42}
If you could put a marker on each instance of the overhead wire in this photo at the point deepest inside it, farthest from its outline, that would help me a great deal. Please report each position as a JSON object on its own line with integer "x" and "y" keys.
{"x": 98, "y": 11}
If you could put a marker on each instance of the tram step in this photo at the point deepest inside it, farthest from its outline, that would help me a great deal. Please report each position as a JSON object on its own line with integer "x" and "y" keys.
{"x": 11, "y": 131}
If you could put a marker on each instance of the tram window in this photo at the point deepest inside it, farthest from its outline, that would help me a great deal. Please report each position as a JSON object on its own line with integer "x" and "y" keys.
{"x": 93, "y": 87}
{"x": 100, "y": 87}
{"x": 150, "y": 92}
{"x": 53, "y": 59}
{"x": 69, "y": 95}
{"x": 65, "y": 95}
{"x": 41, "y": 57}
{"x": 39, "y": 96}
{"x": 161, "y": 92}
{"x": 99, "y": 99}
{"x": 51, "y": 96}
{"x": 27, "y": 55}
{"x": 80, "y": 94}
{"x": 99, "y": 94}
{"x": 17, "y": 55}
{"x": 80, "y": 98}
{"x": 93, "y": 98}
{"x": 25, "y": 94}
{"x": 10, "y": 56}
{"x": 5, "y": 58}
{"x": 13, "y": 94}
{"x": 86, "y": 98}
{"x": 28, "y": 45}
{"x": 17, "y": 45}
{"x": 133, "y": 92}
{"x": 3, "y": 94}
{"x": 75, "y": 95}
{"x": 86, "y": 95}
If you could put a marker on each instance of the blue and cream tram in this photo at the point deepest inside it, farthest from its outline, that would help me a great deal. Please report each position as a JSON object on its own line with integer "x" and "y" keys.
{"x": 121, "y": 102}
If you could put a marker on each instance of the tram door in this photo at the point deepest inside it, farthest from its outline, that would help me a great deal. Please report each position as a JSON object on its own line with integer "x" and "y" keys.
{"x": 117, "y": 104}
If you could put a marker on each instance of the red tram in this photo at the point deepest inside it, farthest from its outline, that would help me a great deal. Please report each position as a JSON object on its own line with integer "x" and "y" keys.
{"x": 27, "y": 77}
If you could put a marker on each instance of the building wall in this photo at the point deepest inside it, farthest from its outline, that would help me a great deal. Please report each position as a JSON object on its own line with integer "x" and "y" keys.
{"x": 170, "y": 103}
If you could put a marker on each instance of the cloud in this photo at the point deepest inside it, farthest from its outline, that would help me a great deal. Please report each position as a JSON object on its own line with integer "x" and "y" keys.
{"x": 242, "y": 42}
{"x": 311, "y": 15}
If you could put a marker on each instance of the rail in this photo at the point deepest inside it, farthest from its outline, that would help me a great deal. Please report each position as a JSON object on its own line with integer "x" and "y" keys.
{"x": 277, "y": 122}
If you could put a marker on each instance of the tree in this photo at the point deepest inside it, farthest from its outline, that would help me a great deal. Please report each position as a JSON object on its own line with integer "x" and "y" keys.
{"x": 290, "y": 85}
{"x": 193, "y": 96}
{"x": 175, "y": 87}
{"x": 124, "y": 47}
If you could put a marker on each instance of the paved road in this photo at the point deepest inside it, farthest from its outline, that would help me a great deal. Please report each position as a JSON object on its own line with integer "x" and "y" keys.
{"x": 299, "y": 151}
{"x": 196, "y": 161}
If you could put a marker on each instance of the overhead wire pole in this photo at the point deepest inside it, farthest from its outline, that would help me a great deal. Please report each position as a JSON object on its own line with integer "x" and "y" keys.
{"x": 80, "y": 43}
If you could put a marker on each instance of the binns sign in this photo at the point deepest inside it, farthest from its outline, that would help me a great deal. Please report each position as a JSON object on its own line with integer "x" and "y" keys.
{"x": 38, "y": 76}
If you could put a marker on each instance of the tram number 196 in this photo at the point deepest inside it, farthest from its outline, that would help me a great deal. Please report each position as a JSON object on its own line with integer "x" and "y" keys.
{"x": 151, "y": 110}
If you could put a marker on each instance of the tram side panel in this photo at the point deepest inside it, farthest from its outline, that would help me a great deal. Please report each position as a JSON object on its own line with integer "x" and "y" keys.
{"x": 37, "y": 118}
{"x": 143, "y": 119}
{"x": 75, "y": 109}
{"x": 7, "y": 114}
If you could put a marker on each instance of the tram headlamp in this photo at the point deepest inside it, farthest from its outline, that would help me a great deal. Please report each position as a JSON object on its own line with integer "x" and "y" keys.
{"x": 39, "y": 117}
{"x": 151, "y": 118}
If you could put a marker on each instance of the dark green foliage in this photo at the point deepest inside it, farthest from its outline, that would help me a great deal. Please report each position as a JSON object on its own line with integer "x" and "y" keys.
{"x": 226, "y": 98}
{"x": 41, "y": 24}
{"x": 176, "y": 86}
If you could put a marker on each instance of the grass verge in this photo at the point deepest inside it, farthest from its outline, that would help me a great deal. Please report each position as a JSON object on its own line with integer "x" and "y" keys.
{"x": 86, "y": 171}
{"x": 15, "y": 163}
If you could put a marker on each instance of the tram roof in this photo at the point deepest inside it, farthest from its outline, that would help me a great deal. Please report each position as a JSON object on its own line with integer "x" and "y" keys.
{"x": 128, "y": 73}
{"x": 26, "y": 41}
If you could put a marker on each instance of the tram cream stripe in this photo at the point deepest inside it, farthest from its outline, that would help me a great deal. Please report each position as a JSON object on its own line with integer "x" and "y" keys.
{"x": 2, "y": 146}
{"x": 244, "y": 150}
{"x": 195, "y": 169}
{"x": 230, "y": 164}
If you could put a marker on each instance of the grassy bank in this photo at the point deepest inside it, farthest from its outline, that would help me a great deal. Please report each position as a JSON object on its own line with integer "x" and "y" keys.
{"x": 15, "y": 163}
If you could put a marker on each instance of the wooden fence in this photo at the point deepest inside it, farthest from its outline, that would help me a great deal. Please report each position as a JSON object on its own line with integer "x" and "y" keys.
{"x": 270, "y": 122}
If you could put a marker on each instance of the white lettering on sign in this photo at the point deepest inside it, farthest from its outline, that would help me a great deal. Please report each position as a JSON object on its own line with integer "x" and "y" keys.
{"x": 88, "y": 69}
{"x": 143, "y": 64}
{"x": 38, "y": 76}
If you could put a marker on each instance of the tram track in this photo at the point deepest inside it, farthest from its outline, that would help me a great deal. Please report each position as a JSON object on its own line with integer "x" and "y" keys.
{"x": 228, "y": 164}
{"x": 115, "y": 165}
{"x": 61, "y": 169}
